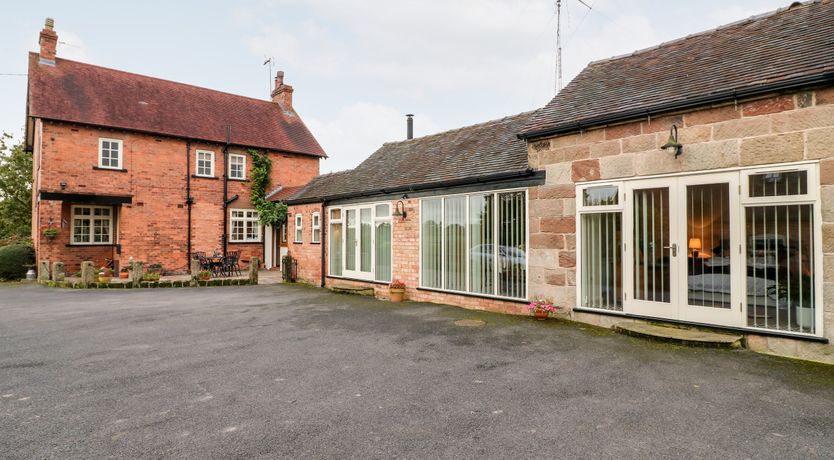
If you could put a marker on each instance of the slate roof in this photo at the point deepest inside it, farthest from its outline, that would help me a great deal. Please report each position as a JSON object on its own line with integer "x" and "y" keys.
{"x": 793, "y": 44}
{"x": 83, "y": 93}
{"x": 479, "y": 152}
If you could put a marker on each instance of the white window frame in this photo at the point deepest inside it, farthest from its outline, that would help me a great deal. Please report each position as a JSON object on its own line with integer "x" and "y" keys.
{"x": 315, "y": 225}
{"x": 90, "y": 218}
{"x": 245, "y": 219}
{"x": 284, "y": 232}
{"x": 197, "y": 163}
{"x": 298, "y": 229}
{"x": 119, "y": 159}
{"x": 375, "y": 220}
{"x": 496, "y": 256}
{"x": 232, "y": 157}
{"x": 811, "y": 197}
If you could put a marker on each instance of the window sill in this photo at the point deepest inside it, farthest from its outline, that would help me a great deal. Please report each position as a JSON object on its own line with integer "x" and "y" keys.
{"x": 360, "y": 280}
{"x": 246, "y": 242}
{"x": 195, "y": 176}
{"x": 297, "y": 242}
{"x": 101, "y": 168}
{"x": 85, "y": 245}
{"x": 238, "y": 180}
{"x": 472, "y": 294}
{"x": 315, "y": 242}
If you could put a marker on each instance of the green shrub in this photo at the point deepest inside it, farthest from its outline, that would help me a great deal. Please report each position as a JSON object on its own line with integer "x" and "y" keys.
{"x": 13, "y": 259}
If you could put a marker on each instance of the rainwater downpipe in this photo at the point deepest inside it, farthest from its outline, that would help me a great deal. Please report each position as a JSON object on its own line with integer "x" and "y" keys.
{"x": 225, "y": 236}
{"x": 188, "y": 200}
{"x": 323, "y": 241}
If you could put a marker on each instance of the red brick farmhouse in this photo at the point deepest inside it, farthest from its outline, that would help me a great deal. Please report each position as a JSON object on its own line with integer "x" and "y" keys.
{"x": 127, "y": 165}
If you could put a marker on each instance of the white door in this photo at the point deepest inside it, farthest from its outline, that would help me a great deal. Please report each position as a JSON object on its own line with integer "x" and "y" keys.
{"x": 710, "y": 237}
{"x": 652, "y": 248}
{"x": 269, "y": 247}
{"x": 681, "y": 247}
{"x": 359, "y": 237}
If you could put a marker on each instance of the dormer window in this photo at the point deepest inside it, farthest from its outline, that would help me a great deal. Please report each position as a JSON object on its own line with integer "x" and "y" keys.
{"x": 110, "y": 153}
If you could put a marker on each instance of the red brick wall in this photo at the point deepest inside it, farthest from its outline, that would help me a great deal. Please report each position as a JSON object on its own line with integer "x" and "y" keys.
{"x": 307, "y": 253}
{"x": 154, "y": 227}
{"x": 405, "y": 263}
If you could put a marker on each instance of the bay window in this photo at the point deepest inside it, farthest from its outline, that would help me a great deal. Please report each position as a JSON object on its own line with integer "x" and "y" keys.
{"x": 475, "y": 243}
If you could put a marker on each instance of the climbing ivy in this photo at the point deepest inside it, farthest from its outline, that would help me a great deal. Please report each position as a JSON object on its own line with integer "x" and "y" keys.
{"x": 269, "y": 212}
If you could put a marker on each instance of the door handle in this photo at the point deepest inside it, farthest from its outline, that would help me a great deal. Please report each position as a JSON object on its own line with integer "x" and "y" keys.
{"x": 674, "y": 248}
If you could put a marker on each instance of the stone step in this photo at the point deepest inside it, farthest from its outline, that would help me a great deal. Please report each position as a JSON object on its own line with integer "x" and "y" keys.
{"x": 350, "y": 289}
{"x": 690, "y": 337}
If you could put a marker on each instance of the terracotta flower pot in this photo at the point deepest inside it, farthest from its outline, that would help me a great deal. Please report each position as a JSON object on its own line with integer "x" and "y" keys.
{"x": 124, "y": 275}
{"x": 396, "y": 294}
{"x": 540, "y": 315}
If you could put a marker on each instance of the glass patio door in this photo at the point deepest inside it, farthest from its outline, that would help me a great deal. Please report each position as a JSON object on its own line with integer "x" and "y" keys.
{"x": 359, "y": 237}
{"x": 651, "y": 248}
{"x": 712, "y": 277}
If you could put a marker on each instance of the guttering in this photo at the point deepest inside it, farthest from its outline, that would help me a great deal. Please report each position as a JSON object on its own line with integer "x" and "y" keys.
{"x": 655, "y": 110}
{"x": 529, "y": 172}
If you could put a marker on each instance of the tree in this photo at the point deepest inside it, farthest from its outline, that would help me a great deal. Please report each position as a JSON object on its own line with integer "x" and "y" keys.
{"x": 15, "y": 188}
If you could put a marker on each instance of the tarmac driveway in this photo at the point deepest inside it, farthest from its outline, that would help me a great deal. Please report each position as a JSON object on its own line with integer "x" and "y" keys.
{"x": 291, "y": 371}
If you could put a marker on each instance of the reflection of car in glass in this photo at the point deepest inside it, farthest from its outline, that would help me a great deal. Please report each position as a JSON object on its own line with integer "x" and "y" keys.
{"x": 509, "y": 257}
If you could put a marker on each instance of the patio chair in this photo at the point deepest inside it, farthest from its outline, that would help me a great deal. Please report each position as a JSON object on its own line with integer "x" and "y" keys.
{"x": 204, "y": 262}
{"x": 231, "y": 264}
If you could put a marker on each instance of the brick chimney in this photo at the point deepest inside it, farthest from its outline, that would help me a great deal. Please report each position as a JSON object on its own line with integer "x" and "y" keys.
{"x": 48, "y": 42}
{"x": 282, "y": 94}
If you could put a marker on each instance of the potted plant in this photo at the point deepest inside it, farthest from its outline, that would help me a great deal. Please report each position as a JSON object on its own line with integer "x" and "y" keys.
{"x": 105, "y": 275}
{"x": 50, "y": 233}
{"x": 150, "y": 276}
{"x": 204, "y": 275}
{"x": 124, "y": 273}
{"x": 542, "y": 308}
{"x": 396, "y": 290}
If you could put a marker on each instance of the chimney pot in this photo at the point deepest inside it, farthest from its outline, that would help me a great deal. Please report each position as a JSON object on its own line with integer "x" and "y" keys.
{"x": 409, "y": 123}
{"x": 48, "y": 42}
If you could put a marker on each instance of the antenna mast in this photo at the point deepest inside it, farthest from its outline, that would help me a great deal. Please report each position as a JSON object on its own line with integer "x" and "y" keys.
{"x": 558, "y": 46}
{"x": 559, "y": 41}
{"x": 269, "y": 77}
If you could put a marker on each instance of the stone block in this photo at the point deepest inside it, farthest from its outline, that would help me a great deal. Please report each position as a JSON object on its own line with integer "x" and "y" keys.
{"x": 804, "y": 99}
{"x": 566, "y": 224}
{"x": 767, "y": 106}
{"x": 689, "y": 135}
{"x": 557, "y": 174}
{"x": 547, "y": 241}
{"x": 585, "y": 170}
{"x": 88, "y": 273}
{"x": 58, "y": 273}
{"x": 551, "y": 207}
{"x": 43, "y": 270}
{"x": 606, "y": 148}
{"x": 254, "y": 264}
{"x": 624, "y": 130}
{"x": 824, "y": 96}
{"x": 547, "y": 258}
{"x": 820, "y": 143}
{"x": 662, "y": 124}
{"x": 547, "y": 192}
{"x": 714, "y": 115}
{"x": 778, "y": 148}
{"x": 827, "y": 198}
{"x": 137, "y": 273}
{"x": 640, "y": 143}
{"x": 827, "y": 172}
{"x": 797, "y": 120}
{"x": 710, "y": 155}
{"x": 828, "y": 238}
{"x": 616, "y": 167}
{"x": 744, "y": 127}
{"x": 568, "y": 206}
{"x": 656, "y": 162}
{"x": 828, "y": 273}
{"x": 567, "y": 259}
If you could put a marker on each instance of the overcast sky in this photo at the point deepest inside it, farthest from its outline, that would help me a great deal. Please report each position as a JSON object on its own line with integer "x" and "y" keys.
{"x": 357, "y": 66}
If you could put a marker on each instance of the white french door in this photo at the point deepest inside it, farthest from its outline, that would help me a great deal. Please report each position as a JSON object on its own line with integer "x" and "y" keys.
{"x": 651, "y": 248}
{"x": 681, "y": 243}
{"x": 359, "y": 239}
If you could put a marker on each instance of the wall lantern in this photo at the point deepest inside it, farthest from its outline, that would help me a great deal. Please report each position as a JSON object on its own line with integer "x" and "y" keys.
{"x": 672, "y": 145}
{"x": 399, "y": 210}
